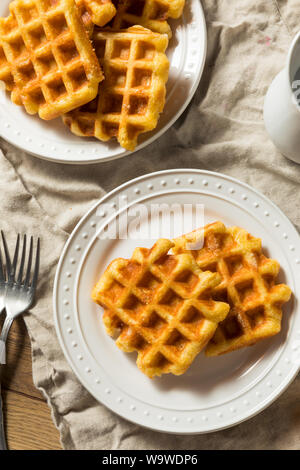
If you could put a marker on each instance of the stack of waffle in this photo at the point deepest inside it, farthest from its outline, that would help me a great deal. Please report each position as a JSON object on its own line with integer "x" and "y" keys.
{"x": 217, "y": 288}
{"x": 100, "y": 64}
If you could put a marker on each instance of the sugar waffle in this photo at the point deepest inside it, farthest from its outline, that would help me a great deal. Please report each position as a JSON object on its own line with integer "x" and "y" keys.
{"x": 161, "y": 307}
{"x": 133, "y": 93}
{"x": 51, "y": 59}
{"x": 248, "y": 284}
{"x": 151, "y": 14}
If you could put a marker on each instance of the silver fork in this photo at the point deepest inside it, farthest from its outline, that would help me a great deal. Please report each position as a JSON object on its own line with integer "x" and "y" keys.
{"x": 17, "y": 296}
{"x": 20, "y": 292}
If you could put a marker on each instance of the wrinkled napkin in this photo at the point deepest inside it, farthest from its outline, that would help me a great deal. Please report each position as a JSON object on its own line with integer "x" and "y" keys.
{"x": 222, "y": 130}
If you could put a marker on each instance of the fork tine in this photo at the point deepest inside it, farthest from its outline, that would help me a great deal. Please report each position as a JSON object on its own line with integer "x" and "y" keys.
{"x": 7, "y": 257}
{"x": 19, "y": 280}
{"x": 36, "y": 267}
{"x": 15, "y": 260}
{"x": 27, "y": 279}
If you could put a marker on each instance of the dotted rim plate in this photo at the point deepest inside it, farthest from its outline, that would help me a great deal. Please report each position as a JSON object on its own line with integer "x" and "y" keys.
{"x": 266, "y": 387}
{"x": 50, "y": 140}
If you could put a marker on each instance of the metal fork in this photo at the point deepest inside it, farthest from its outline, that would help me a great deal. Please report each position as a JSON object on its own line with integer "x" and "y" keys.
{"x": 20, "y": 292}
{"x": 16, "y": 296}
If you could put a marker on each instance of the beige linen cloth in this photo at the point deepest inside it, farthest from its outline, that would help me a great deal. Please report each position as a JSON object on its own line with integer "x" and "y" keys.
{"x": 222, "y": 130}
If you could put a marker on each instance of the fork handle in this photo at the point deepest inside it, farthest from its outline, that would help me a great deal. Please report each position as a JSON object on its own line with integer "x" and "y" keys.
{"x": 3, "y": 337}
{"x": 2, "y": 435}
{"x": 2, "y": 352}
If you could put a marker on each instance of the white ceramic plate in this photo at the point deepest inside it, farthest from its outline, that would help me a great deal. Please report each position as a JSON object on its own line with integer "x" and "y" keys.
{"x": 215, "y": 392}
{"x": 52, "y": 141}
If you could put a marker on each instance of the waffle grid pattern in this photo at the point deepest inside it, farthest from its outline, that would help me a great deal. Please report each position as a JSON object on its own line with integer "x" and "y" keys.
{"x": 151, "y": 14}
{"x": 161, "y": 306}
{"x": 248, "y": 285}
{"x": 133, "y": 93}
{"x": 52, "y": 61}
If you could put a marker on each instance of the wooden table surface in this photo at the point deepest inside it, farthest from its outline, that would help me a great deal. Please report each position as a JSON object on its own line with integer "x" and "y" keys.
{"x": 28, "y": 423}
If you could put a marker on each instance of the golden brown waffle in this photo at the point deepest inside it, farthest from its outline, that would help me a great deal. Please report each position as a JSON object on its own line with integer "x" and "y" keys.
{"x": 248, "y": 284}
{"x": 51, "y": 58}
{"x": 95, "y": 12}
{"x": 160, "y": 306}
{"x": 151, "y": 14}
{"x": 133, "y": 93}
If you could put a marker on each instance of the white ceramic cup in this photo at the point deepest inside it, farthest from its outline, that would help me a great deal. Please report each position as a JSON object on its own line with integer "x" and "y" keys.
{"x": 282, "y": 106}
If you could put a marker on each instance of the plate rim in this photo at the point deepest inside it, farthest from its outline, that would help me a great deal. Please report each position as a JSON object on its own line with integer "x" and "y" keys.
{"x": 184, "y": 431}
{"x": 88, "y": 161}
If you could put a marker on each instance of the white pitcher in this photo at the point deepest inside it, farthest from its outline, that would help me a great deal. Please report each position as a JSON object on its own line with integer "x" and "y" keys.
{"x": 282, "y": 106}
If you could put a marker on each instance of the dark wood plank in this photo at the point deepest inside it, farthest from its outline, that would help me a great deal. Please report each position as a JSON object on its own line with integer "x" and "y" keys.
{"x": 28, "y": 423}
{"x": 27, "y": 417}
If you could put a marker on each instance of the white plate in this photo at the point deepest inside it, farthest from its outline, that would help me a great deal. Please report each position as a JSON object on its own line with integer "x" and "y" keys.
{"x": 52, "y": 141}
{"x": 215, "y": 392}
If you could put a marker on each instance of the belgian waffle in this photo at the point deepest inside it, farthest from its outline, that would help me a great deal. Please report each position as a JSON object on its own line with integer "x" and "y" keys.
{"x": 160, "y": 306}
{"x": 133, "y": 93}
{"x": 248, "y": 284}
{"x": 151, "y": 14}
{"x": 46, "y": 57}
{"x": 95, "y": 12}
